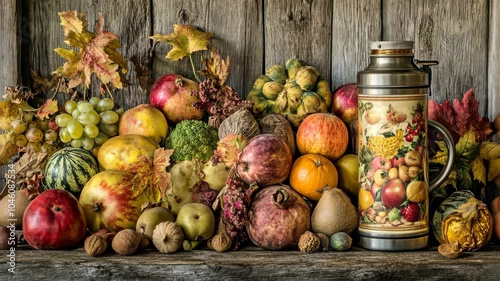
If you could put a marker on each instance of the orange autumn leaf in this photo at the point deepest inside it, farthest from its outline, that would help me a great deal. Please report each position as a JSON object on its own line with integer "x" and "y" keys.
{"x": 97, "y": 53}
{"x": 47, "y": 109}
{"x": 216, "y": 67}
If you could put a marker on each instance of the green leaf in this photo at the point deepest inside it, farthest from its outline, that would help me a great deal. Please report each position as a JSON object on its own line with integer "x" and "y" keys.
{"x": 467, "y": 148}
{"x": 441, "y": 157}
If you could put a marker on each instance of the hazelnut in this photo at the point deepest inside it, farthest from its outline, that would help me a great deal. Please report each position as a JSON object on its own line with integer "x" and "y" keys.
{"x": 168, "y": 237}
{"x": 95, "y": 245}
{"x": 126, "y": 242}
{"x": 309, "y": 242}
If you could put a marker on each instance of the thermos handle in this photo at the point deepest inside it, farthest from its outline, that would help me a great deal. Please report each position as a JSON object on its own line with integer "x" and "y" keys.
{"x": 443, "y": 175}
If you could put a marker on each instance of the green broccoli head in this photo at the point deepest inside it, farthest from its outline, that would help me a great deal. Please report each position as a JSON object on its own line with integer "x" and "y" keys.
{"x": 192, "y": 139}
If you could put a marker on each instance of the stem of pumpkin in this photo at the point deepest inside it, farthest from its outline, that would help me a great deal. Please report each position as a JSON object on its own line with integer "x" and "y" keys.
{"x": 194, "y": 71}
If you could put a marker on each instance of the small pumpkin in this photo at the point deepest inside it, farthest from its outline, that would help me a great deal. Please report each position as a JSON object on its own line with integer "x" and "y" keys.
{"x": 464, "y": 219}
{"x": 311, "y": 173}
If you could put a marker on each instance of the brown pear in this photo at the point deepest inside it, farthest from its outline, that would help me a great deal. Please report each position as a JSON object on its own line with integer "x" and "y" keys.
{"x": 334, "y": 213}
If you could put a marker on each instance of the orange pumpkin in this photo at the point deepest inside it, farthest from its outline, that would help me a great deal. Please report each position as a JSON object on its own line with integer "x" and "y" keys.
{"x": 311, "y": 173}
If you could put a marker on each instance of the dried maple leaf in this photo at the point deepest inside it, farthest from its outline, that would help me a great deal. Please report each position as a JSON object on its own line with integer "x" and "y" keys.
{"x": 216, "y": 68}
{"x": 151, "y": 175}
{"x": 461, "y": 117}
{"x": 47, "y": 109}
{"x": 185, "y": 40}
{"x": 7, "y": 148}
{"x": 97, "y": 53}
{"x": 143, "y": 72}
{"x": 42, "y": 85}
{"x": 18, "y": 94}
{"x": 29, "y": 170}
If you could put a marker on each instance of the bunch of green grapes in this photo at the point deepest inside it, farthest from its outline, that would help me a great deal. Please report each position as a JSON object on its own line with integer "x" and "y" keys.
{"x": 88, "y": 124}
{"x": 32, "y": 134}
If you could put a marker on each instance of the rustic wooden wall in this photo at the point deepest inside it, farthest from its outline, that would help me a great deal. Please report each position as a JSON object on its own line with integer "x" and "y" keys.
{"x": 331, "y": 35}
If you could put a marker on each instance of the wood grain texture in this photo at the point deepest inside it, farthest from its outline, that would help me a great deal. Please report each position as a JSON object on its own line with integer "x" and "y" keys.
{"x": 132, "y": 24}
{"x": 255, "y": 264}
{"x": 355, "y": 25}
{"x": 453, "y": 32}
{"x": 239, "y": 34}
{"x": 494, "y": 60}
{"x": 298, "y": 28}
{"x": 9, "y": 53}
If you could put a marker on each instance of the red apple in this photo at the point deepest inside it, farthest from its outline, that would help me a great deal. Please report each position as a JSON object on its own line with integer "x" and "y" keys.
{"x": 266, "y": 160}
{"x": 54, "y": 220}
{"x": 393, "y": 193}
{"x": 381, "y": 163}
{"x": 109, "y": 202}
{"x": 324, "y": 134}
{"x": 345, "y": 102}
{"x": 395, "y": 161}
{"x": 172, "y": 94}
{"x": 144, "y": 120}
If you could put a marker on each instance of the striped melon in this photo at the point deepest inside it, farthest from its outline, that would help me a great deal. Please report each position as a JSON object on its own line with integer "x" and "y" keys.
{"x": 70, "y": 169}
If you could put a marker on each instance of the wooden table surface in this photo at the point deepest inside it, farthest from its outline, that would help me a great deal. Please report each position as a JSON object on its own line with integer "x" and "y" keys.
{"x": 253, "y": 264}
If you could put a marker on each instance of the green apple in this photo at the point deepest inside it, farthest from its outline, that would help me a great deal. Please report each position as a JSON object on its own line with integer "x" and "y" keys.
{"x": 197, "y": 221}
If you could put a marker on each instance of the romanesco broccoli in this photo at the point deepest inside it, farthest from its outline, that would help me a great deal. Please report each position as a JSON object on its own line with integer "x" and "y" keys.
{"x": 192, "y": 139}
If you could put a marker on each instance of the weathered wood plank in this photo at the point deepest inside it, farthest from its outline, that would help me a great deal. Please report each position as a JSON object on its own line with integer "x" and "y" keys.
{"x": 298, "y": 29}
{"x": 9, "y": 53}
{"x": 165, "y": 15}
{"x": 453, "y": 32}
{"x": 494, "y": 60}
{"x": 255, "y": 264}
{"x": 132, "y": 24}
{"x": 355, "y": 25}
{"x": 238, "y": 32}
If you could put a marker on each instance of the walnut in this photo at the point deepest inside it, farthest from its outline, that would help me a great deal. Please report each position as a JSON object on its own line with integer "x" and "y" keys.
{"x": 126, "y": 242}
{"x": 168, "y": 237}
{"x": 309, "y": 242}
{"x": 95, "y": 245}
{"x": 324, "y": 241}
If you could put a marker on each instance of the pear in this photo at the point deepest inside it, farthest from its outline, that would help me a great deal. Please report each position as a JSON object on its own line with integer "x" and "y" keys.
{"x": 151, "y": 217}
{"x": 334, "y": 213}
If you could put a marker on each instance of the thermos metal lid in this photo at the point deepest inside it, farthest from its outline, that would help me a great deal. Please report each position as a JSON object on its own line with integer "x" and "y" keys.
{"x": 391, "y": 45}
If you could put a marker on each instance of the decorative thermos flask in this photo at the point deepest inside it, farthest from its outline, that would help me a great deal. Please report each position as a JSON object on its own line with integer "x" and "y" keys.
{"x": 392, "y": 147}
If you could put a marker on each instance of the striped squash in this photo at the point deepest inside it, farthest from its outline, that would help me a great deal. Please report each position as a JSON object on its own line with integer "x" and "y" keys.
{"x": 70, "y": 169}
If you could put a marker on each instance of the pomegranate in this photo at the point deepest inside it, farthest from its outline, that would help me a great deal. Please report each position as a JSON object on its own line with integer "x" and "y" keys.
{"x": 345, "y": 102}
{"x": 277, "y": 218}
{"x": 266, "y": 160}
{"x": 171, "y": 93}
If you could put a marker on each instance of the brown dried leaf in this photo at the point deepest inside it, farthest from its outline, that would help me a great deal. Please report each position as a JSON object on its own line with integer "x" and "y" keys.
{"x": 7, "y": 148}
{"x": 47, "y": 109}
{"x": 97, "y": 54}
{"x": 215, "y": 67}
{"x": 99, "y": 24}
{"x": 143, "y": 73}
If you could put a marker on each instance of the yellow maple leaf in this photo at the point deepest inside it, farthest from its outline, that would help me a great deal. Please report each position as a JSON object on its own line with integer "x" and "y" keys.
{"x": 216, "y": 67}
{"x": 97, "y": 54}
{"x": 7, "y": 147}
{"x": 479, "y": 169}
{"x": 47, "y": 109}
{"x": 185, "y": 40}
{"x": 151, "y": 176}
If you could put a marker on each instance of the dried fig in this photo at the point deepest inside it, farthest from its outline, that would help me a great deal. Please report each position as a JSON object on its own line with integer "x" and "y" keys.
{"x": 221, "y": 241}
{"x": 168, "y": 237}
{"x": 95, "y": 245}
{"x": 126, "y": 242}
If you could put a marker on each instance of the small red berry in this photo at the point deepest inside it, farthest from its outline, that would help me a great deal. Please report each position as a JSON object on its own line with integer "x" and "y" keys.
{"x": 411, "y": 212}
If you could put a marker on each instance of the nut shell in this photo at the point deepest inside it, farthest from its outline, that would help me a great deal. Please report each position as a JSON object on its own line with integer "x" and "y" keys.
{"x": 126, "y": 242}
{"x": 168, "y": 237}
{"x": 95, "y": 245}
{"x": 309, "y": 242}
